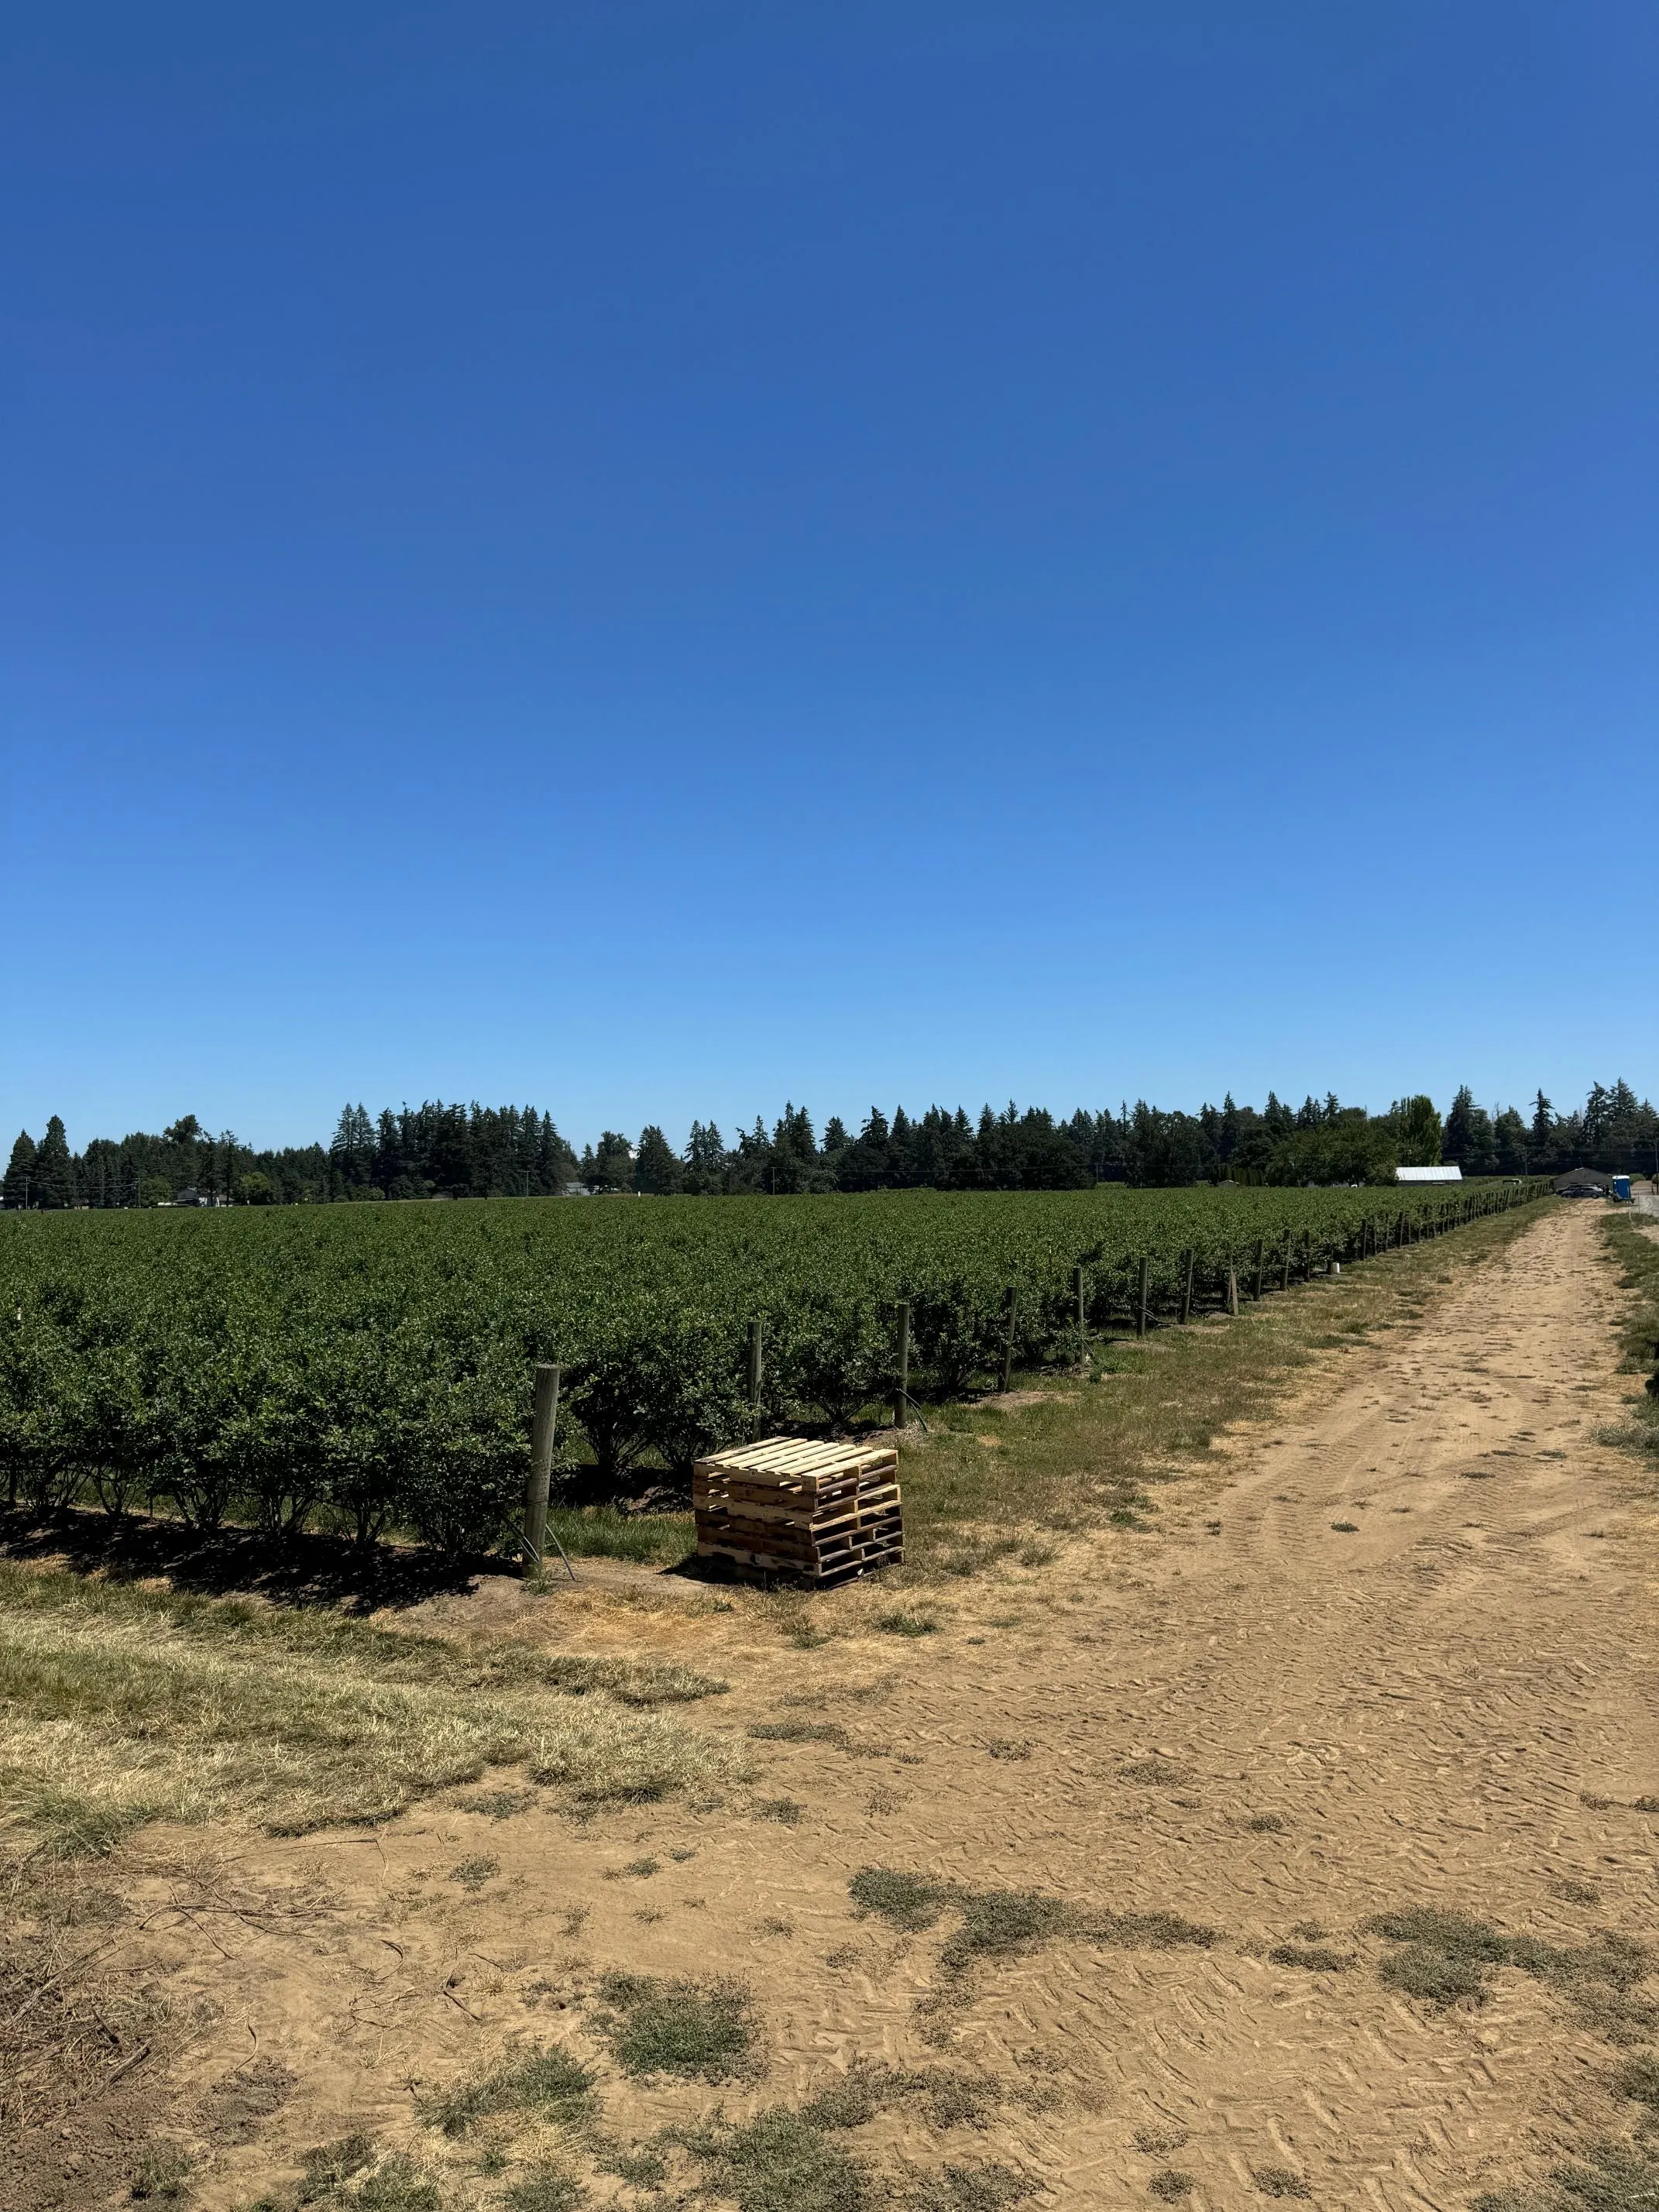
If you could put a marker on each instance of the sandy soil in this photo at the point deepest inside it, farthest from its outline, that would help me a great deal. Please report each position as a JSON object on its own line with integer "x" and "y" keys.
{"x": 1451, "y": 1704}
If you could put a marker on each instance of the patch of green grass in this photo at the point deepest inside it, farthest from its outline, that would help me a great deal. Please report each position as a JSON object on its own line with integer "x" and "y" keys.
{"x": 397, "y": 2184}
{"x": 1346, "y": 1528}
{"x": 604, "y": 1532}
{"x": 1618, "y": 2178}
{"x": 908, "y": 1902}
{"x": 1000, "y": 1923}
{"x": 65, "y": 1826}
{"x": 700, "y": 2031}
{"x": 902, "y": 1623}
{"x": 1443, "y": 1957}
{"x": 161, "y": 2175}
{"x": 639, "y": 2166}
{"x": 1447, "y": 1957}
{"x": 549, "y": 2084}
{"x": 780, "y": 2161}
{"x": 799, "y": 1732}
{"x": 544, "y": 2189}
{"x": 997, "y": 1924}
{"x": 329, "y": 2166}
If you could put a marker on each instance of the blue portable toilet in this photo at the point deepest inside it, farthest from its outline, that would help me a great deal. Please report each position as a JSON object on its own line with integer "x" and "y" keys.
{"x": 1622, "y": 1188}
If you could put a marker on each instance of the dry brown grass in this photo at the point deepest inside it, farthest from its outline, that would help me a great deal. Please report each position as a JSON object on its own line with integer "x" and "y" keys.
{"x": 121, "y": 1705}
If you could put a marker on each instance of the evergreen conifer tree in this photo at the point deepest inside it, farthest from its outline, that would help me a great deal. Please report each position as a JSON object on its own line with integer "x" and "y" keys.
{"x": 53, "y": 1181}
{"x": 18, "y": 1188}
{"x": 656, "y": 1168}
{"x": 1459, "y": 1133}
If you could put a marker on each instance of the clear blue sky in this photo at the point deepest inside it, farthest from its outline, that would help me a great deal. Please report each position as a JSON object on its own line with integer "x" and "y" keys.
{"x": 654, "y": 559}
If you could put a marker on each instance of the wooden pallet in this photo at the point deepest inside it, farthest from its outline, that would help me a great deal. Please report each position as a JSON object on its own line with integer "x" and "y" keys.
{"x": 817, "y": 1513}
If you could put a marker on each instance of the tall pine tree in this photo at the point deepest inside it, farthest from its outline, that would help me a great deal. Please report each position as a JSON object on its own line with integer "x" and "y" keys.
{"x": 53, "y": 1181}
{"x": 18, "y": 1190}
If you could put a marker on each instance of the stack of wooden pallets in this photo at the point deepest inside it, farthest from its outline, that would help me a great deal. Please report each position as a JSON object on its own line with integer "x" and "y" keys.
{"x": 818, "y": 1513}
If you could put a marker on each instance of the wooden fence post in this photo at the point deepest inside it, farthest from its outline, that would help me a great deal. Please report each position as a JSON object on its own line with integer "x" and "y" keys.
{"x": 1260, "y": 1261}
{"x": 1186, "y": 1287}
{"x": 755, "y": 1375}
{"x": 1232, "y": 1286}
{"x": 901, "y": 1401}
{"x": 1145, "y": 1290}
{"x": 542, "y": 1424}
{"x": 1008, "y": 1344}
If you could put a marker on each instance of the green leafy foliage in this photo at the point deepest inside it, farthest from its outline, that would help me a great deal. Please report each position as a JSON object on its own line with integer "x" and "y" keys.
{"x": 365, "y": 1368}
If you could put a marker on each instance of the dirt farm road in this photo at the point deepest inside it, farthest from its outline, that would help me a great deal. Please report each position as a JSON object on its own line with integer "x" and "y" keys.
{"x": 1280, "y": 1728}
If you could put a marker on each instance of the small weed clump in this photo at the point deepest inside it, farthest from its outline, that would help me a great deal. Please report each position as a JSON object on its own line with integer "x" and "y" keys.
{"x": 901, "y": 1622}
{"x": 799, "y": 1732}
{"x": 1638, "y": 2079}
{"x": 1315, "y": 1958}
{"x": 1279, "y": 2181}
{"x": 329, "y": 2166}
{"x": 1156, "y": 1772}
{"x": 161, "y": 2176}
{"x": 786, "y": 1810}
{"x": 1000, "y": 1924}
{"x": 473, "y": 1874}
{"x": 394, "y": 2183}
{"x": 1267, "y": 1824}
{"x": 640, "y": 2166}
{"x": 1158, "y": 2142}
{"x": 968, "y": 2188}
{"x": 1171, "y": 2185}
{"x": 780, "y": 2161}
{"x": 498, "y": 1804}
{"x": 551, "y": 2084}
{"x": 700, "y": 2031}
{"x": 544, "y": 2189}
{"x": 1446, "y": 1958}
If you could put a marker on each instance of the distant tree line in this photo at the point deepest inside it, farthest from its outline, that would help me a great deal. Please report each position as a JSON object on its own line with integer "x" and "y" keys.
{"x": 435, "y": 1151}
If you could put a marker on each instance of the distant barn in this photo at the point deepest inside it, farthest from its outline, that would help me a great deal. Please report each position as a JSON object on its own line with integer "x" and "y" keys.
{"x": 1428, "y": 1174}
